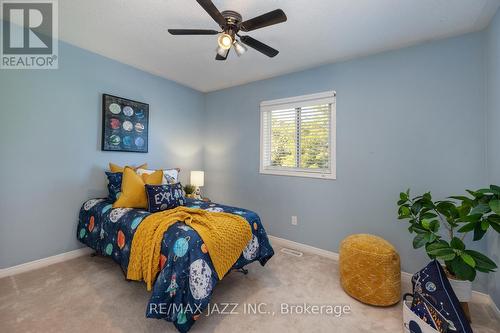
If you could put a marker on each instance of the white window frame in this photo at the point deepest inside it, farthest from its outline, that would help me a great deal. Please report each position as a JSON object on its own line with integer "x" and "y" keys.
{"x": 327, "y": 97}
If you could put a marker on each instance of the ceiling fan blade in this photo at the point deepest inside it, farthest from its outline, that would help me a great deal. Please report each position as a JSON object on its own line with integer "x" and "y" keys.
{"x": 212, "y": 11}
{"x": 192, "y": 32}
{"x": 259, "y": 46}
{"x": 273, "y": 17}
{"x": 219, "y": 57}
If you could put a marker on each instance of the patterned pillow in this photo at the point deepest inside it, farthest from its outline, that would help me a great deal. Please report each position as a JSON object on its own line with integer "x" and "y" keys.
{"x": 170, "y": 176}
{"x": 163, "y": 197}
{"x": 431, "y": 283}
{"x": 114, "y": 185}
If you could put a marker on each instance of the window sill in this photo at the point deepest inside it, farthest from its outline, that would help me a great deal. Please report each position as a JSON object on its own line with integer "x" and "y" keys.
{"x": 318, "y": 175}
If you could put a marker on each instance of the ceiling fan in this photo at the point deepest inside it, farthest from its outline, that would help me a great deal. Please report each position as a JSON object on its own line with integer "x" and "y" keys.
{"x": 231, "y": 24}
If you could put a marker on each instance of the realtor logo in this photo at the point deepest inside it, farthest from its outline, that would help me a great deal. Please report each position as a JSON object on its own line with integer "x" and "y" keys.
{"x": 29, "y": 35}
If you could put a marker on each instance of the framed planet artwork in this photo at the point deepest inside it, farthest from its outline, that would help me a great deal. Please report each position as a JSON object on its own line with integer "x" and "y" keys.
{"x": 124, "y": 124}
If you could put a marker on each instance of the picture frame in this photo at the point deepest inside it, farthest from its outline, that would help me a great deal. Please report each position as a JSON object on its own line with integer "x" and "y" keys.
{"x": 125, "y": 125}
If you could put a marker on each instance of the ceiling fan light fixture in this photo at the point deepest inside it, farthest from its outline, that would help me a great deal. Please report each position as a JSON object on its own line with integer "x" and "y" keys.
{"x": 231, "y": 23}
{"x": 225, "y": 41}
{"x": 222, "y": 52}
{"x": 239, "y": 48}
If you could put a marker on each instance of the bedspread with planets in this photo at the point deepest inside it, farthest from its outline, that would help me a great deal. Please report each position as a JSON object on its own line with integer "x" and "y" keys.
{"x": 184, "y": 286}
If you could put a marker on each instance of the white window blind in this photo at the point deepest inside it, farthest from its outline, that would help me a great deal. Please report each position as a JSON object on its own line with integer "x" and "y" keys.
{"x": 298, "y": 136}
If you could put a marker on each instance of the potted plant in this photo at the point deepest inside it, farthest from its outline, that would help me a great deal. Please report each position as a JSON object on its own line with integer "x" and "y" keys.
{"x": 189, "y": 190}
{"x": 441, "y": 226}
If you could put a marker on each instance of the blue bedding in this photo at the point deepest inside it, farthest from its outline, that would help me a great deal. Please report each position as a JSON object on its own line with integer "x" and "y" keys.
{"x": 184, "y": 286}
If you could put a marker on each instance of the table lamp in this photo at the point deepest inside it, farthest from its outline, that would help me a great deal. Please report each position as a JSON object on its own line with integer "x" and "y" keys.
{"x": 197, "y": 180}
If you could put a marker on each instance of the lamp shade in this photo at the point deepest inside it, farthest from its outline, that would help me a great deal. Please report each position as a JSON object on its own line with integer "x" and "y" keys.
{"x": 197, "y": 178}
{"x": 222, "y": 52}
{"x": 239, "y": 48}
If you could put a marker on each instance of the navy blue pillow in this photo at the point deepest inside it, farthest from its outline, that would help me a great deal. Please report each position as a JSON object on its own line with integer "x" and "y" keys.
{"x": 114, "y": 185}
{"x": 432, "y": 284}
{"x": 162, "y": 197}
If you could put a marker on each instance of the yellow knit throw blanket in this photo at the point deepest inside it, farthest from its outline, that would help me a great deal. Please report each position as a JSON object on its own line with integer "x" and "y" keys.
{"x": 225, "y": 236}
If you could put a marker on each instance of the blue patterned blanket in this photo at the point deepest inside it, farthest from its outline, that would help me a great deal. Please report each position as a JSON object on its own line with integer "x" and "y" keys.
{"x": 184, "y": 286}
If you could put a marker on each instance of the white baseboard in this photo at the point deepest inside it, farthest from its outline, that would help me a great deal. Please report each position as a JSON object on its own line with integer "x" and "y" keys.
{"x": 29, "y": 266}
{"x": 477, "y": 297}
{"x": 303, "y": 247}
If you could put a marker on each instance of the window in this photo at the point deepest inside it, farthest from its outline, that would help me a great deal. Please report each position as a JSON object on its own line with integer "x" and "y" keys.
{"x": 297, "y": 136}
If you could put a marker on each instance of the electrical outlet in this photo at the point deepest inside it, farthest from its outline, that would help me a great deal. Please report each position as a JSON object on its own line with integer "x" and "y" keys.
{"x": 294, "y": 220}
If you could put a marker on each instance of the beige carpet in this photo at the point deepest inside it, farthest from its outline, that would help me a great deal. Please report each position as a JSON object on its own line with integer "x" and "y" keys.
{"x": 90, "y": 295}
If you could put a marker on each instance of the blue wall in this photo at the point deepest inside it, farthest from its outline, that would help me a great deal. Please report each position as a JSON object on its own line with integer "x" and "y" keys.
{"x": 415, "y": 118}
{"x": 493, "y": 135}
{"x": 50, "y": 144}
{"x": 409, "y": 118}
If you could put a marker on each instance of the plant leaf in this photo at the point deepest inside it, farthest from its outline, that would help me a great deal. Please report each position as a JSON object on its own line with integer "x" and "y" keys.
{"x": 495, "y": 189}
{"x": 420, "y": 240}
{"x": 494, "y": 218}
{"x": 462, "y": 198}
{"x": 404, "y": 212}
{"x": 471, "y": 193}
{"x": 485, "y": 225}
{"x": 416, "y": 207}
{"x": 485, "y": 191}
{"x": 442, "y": 253}
{"x": 437, "y": 245}
{"x": 466, "y": 228}
{"x": 448, "y": 209}
{"x": 478, "y": 232}
{"x": 426, "y": 223}
{"x": 495, "y": 206}
{"x": 468, "y": 259}
{"x": 464, "y": 210}
{"x": 434, "y": 226}
{"x": 428, "y": 215}
{"x": 480, "y": 209}
{"x": 447, "y": 257}
{"x": 483, "y": 270}
{"x": 496, "y": 227}
{"x": 457, "y": 244}
{"x": 462, "y": 270}
{"x": 418, "y": 229}
{"x": 481, "y": 260}
{"x": 472, "y": 218}
{"x": 476, "y": 195}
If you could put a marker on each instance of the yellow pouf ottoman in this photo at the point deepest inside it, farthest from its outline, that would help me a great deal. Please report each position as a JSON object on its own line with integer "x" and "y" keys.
{"x": 370, "y": 270}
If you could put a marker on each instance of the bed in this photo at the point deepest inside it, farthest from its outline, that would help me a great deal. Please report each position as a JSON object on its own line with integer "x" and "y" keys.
{"x": 187, "y": 277}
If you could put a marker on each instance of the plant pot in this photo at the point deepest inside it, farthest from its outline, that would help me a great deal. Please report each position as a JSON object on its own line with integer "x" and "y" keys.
{"x": 462, "y": 288}
{"x": 463, "y": 291}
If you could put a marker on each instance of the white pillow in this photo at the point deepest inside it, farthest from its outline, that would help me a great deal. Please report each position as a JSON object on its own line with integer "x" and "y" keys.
{"x": 170, "y": 176}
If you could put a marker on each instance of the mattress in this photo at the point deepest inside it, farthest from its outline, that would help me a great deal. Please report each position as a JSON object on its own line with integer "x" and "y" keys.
{"x": 187, "y": 277}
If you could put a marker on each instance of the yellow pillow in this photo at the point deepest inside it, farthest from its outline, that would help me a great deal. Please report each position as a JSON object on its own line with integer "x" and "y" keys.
{"x": 116, "y": 168}
{"x": 133, "y": 191}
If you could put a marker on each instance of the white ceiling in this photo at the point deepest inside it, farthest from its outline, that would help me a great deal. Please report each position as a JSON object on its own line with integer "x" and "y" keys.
{"x": 317, "y": 32}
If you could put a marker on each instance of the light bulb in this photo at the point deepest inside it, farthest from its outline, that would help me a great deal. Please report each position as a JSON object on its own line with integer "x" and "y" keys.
{"x": 225, "y": 41}
{"x": 239, "y": 48}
